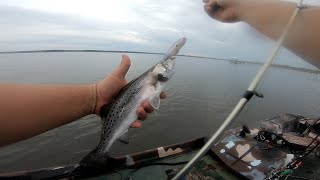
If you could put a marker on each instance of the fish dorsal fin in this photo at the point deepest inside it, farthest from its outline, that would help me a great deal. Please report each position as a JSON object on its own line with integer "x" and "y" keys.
{"x": 155, "y": 102}
{"x": 104, "y": 110}
{"x": 124, "y": 138}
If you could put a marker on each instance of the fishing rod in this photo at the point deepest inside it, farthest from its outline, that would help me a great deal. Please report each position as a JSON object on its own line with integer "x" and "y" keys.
{"x": 290, "y": 167}
{"x": 245, "y": 98}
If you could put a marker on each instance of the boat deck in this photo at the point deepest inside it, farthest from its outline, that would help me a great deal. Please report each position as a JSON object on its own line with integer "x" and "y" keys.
{"x": 207, "y": 168}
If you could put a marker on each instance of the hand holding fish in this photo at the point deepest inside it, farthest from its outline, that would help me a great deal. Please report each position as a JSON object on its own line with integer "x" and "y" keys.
{"x": 120, "y": 103}
{"x": 108, "y": 89}
{"x": 28, "y": 110}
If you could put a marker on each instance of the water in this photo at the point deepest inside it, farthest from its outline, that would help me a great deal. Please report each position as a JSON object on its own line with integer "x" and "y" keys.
{"x": 201, "y": 94}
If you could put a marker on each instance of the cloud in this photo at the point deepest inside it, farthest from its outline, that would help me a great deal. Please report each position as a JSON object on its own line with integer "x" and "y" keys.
{"x": 141, "y": 25}
{"x": 308, "y": 2}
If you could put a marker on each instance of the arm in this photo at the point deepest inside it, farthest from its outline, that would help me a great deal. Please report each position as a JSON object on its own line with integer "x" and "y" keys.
{"x": 270, "y": 17}
{"x": 29, "y": 110}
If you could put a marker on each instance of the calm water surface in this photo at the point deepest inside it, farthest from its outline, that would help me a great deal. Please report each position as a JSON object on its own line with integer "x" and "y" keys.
{"x": 201, "y": 94}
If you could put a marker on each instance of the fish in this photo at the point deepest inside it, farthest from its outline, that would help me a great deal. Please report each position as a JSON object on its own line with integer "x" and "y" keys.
{"x": 118, "y": 115}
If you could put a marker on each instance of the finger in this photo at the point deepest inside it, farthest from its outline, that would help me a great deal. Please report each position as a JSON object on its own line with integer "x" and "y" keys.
{"x": 123, "y": 68}
{"x": 212, "y": 3}
{"x": 142, "y": 114}
{"x": 147, "y": 107}
{"x": 207, "y": 8}
{"x": 136, "y": 124}
{"x": 211, "y": 6}
{"x": 163, "y": 95}
{"x": 209, "y": 11}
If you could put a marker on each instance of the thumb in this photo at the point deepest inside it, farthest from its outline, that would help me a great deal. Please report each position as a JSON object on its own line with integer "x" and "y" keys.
{"x": 123, "y": 68}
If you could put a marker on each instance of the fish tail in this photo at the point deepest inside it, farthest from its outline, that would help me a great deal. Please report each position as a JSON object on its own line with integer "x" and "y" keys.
{"x": 98, "y": 160}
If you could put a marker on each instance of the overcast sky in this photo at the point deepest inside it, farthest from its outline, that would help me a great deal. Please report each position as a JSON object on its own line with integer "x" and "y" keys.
{"x": 136, "y": 25}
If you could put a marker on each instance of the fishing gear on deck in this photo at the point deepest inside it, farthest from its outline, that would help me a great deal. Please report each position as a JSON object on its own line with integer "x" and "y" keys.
{"x": 273, "y": 139}
{"x": 295, "y": 163}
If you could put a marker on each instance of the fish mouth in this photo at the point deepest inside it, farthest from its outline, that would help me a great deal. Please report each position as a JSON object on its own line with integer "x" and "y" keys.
{"x": 183, "y": 41}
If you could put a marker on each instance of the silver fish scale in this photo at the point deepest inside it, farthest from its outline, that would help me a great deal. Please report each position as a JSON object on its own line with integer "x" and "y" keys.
{"x": 118, "y": 115}
{"x": 120, "y": 109}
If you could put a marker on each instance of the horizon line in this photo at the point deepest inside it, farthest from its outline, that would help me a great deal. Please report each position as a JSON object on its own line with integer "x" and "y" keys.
{"x": 233, "y": 60}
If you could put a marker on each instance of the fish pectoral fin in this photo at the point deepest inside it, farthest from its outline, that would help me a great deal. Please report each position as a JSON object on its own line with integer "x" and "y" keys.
{"x": 124, "y": 138}
{"x": 155, "y": 102}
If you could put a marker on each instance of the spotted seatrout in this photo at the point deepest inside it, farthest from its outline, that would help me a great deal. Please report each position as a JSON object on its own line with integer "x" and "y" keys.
{"x": 121, "y": 113}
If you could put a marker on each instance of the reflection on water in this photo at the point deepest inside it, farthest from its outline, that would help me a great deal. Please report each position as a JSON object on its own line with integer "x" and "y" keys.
{"x": 201, "y": 94}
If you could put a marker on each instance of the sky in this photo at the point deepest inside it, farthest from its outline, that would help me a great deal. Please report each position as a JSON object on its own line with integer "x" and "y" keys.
{"x": 133, "y": 25}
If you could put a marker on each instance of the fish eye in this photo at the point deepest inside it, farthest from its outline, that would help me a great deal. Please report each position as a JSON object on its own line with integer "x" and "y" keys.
{"x": 161, "y": 78}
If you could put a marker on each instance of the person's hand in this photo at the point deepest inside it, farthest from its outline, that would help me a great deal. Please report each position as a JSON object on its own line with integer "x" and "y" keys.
{"x": 109, "y": 87}
{"x": 223, "y": 10}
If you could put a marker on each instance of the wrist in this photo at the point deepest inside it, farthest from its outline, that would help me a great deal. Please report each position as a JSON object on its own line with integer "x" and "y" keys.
{"x": 93, "y": 99}
{"x": 243, "y": 7}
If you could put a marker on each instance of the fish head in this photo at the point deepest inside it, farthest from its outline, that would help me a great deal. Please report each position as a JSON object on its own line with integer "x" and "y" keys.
{"x": 177, "y": 46}
{"x": 164, "y": 70}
